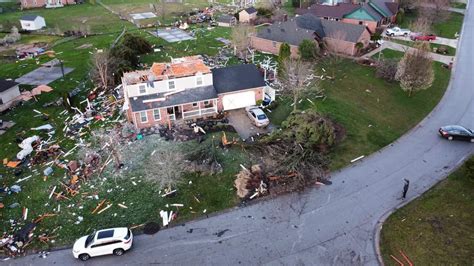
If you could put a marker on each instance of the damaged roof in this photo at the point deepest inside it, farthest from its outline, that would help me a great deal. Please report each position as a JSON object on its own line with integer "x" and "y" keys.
{"x": 235, "y": 78}
{"x": 250, "y": 10}
{"x": 7, "y": 84}
{"x": 160, "y": 100}
{"x": 179, "y": 67}
{"x": 336, "y": 11}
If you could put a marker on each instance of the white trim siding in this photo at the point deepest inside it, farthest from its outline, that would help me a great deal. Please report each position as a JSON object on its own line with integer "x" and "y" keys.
{"x": 143, "y": 115}
{"x": 155, "y": 112}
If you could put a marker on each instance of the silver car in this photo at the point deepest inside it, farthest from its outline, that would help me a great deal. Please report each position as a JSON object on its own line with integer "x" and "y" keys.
{"x": 258, "y": 117}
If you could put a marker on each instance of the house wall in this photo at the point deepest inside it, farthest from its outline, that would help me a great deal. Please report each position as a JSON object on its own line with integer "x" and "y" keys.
{"x": 371, "y": 25}
{"x": 37, "y": 24}
{"x": 162, "y": 85}
{"x": 150, "y": 120}
{"x": 340, "y": 46}
{"x": 42, "y": 3}
{"x": 258, "y": 96}
{"x": 244, "y": 17}
{"x": 8, "y": 96}
{"x": 270, "y": 46}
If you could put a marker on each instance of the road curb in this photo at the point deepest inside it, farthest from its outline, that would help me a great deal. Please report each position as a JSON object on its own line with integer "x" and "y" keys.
{"x": 379, "y": 224}
{"x": 383, "y": 218}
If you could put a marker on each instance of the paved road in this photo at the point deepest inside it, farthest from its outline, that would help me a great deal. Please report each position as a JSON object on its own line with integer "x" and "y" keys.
{"x": 445, "y": 59}
{"x": 331, "y": 225}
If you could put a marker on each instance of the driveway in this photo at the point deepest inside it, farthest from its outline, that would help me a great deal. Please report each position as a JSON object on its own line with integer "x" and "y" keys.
{"x": 243, "y": 125}
{"x": 332, "y": 225}
{"x": 439, "y": 40}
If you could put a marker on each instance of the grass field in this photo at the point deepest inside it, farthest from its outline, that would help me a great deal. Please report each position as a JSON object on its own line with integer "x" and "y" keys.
{"x": 75, "y": 17}
{"x": 373, "y": 111}
{"x": 446, "y": 29}
{"x": 437, "y": 228}
{"x": 458, "y": 5}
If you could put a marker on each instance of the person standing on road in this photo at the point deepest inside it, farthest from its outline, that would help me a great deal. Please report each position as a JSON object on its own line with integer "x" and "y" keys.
{"x": 405, "y": 188}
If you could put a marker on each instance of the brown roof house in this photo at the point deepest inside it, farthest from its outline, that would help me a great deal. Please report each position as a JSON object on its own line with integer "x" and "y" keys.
{"x": 9, "y": 91}
{"x": 187, "y": 89}
{"x": 372, "y": 14}
{"x": 338, "y": 37}
{"x": 248, "y": 15}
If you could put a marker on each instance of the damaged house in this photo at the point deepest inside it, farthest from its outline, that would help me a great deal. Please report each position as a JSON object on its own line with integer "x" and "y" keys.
{"x": 187, "y": 89}
{"x": 338, "y": 37}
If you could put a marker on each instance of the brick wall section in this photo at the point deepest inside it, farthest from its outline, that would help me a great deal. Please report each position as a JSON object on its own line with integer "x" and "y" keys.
{"x": 270, "y": 46}
{"x": 244, "y": 17}
{"x": 371, "y": 25}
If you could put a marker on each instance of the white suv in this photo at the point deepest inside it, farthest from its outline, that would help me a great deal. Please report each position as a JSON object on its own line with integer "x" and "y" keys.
{"x": 104, "y": 242}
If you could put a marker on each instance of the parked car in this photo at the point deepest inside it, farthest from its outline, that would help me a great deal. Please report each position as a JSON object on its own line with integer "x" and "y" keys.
{"x": 258, "y": 117}
{"x": 396, "y": 31}
{"x": 456, "y": 132}
{"x": 104, "y": 242}
{"x": 267, "y": 100}
{"x": 422, "y": 37}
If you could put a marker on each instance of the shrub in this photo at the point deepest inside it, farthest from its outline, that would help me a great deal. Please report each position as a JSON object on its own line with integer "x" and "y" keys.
{"x": 386, "y": 69}
{"x": 308, "y": 49}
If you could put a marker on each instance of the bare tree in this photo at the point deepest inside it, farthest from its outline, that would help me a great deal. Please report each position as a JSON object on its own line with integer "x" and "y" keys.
{"x": 241, "y": 39}
{"x": 296, "y": 76}
{"x": 415, "y": 70}
{"x": 434, "y": 10}
{"x": 165, "y": 167}
{"x": 102, "y": 69}
{"x": 422, "y": 25}
{"x": 108, "y": 143}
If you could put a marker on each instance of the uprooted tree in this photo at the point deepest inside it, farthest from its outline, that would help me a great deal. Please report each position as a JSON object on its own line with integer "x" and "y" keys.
{"x": 296, "y": 76}
{"x": 300, "y": 147}
{"x": 415, "y": 70}
{"x": 165, "y": 167}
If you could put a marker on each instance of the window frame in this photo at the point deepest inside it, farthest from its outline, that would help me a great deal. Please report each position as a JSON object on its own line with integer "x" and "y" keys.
{"x": 201, "y": 79}
{"x": 154, "y": 114}
{"x": 140, "y": 89}
{"x": 171, "y": 82}
{"x": 195, "y": 104}
{"x": 141, "y": 117}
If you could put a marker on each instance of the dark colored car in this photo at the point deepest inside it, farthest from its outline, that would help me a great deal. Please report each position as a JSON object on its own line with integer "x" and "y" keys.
{"x": 423, "y": 37}
{"x": 456, "y": 132}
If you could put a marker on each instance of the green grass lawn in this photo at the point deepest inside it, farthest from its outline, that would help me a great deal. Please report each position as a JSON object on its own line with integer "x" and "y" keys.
{"x": 73, "y": 17}
{"x": 451, "y": 50}
{"x": 437, "y": 228}
{"x": 446, "y": 29}
{"x": 458, "y": 5}
{"x": 373, "y": 111}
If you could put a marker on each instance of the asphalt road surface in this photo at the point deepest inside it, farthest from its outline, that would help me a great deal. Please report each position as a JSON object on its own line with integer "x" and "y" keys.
{"x": 332, "y": 225}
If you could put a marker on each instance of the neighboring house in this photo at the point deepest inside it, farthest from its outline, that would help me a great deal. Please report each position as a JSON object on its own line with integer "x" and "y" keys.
{"x": 248, "y": 15}
{"x": 45, "y": 3}
{"x": 372, "y": 14}
{"x": 226, "y": 21}
{"x": 339, "y": 37}
{"x": 187, "y": 89}
{"x": 32, "y": 22}
{"x": 9, "y": 91}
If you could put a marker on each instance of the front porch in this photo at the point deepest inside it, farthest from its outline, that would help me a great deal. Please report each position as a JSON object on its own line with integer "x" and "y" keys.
{"x": 192, "y": 110}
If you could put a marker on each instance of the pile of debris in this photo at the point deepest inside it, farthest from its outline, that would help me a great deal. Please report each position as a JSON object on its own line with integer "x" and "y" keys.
{"x": 251, "y": 183}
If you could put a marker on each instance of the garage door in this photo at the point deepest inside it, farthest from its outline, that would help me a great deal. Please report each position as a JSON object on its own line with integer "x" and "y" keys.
{"x": 238, "y": 100}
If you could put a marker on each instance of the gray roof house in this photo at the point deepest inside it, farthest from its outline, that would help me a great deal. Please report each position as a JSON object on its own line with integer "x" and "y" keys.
{"x": 226, "y": 20}
{"x": 310, "y": 27}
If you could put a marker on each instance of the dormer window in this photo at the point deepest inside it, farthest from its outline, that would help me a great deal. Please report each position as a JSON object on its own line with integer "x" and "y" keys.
{"x": 198, "y": 81}
{"x": 142, "y": 89}
{"x": 171, "y": 85}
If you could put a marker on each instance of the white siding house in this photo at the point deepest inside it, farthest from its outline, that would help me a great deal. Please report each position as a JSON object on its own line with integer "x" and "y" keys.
{"x": 32, "y": 22}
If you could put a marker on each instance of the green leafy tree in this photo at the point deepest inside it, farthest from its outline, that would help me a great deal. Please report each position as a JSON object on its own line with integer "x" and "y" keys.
{"x": 308, "y": 49}
{"x": 310, "y": 130}
{"x": 283, "y": 54}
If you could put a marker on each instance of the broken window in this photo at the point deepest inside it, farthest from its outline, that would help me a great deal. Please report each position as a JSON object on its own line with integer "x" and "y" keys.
{"x": 142, "y": 89}
{"x": 171, "y": 85}
{"x": 156, "y": 114}
{"x": 143, "y": 117}
{"x": 1, "y": 101}
{"x": 195, "y": 104}
{"x": 198, "y": 81}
